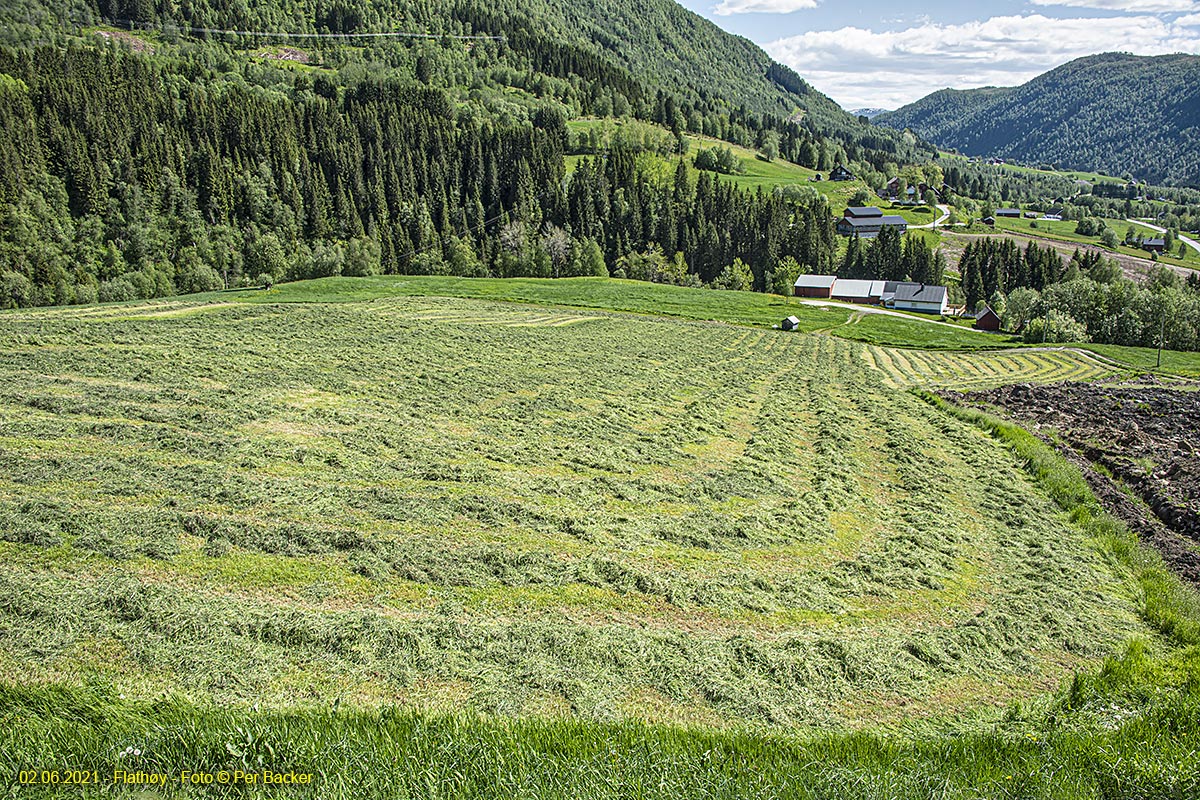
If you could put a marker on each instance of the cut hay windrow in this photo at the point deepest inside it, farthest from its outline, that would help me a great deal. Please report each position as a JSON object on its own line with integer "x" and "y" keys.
{"x": 473, "y": 506}
{"x": 976, "y": 370}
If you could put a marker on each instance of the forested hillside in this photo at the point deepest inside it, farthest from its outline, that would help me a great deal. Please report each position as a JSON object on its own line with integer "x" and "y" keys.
{"x": 170, "y": 160}
{"x": 663, "y": 46}
{"x": 129, "y": 181}
{"x": 1120, "y": 113}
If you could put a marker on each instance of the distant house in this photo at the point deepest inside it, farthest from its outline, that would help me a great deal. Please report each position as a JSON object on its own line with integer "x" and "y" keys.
{"x": 1154, "y": 245}
{"x": 814, "y": 286}
{"x": 987, "y": 320}
{"x": 862, "y": 212}
{"x": 922, "y": 297}
{"x": 850, "y": 291}
{"x": 868, "y": 221}
{"x": 1008, "y": 212}
{"x": 988, "y": 220}
{"x": 840, "y": 173}
{"x": 790, "y": 324}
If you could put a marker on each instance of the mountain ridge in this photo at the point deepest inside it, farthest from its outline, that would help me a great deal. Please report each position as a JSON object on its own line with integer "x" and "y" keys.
{"x": 1125, "y": 114}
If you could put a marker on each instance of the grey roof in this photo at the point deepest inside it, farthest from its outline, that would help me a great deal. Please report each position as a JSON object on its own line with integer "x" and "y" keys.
{"x": 920, "y": 293}
{"x": 983, "y": 312}
{"x": 864, "y": 222}
{"x": 1008, "y": 212}
{"x": 1155, "y": 242}
{"x": 815, "y": 281}
{"x": 853, "y": 288}
{"x": 863, "y": 211}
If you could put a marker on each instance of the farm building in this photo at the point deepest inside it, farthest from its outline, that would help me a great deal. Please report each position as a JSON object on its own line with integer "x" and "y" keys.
{"x": 868, "y": 221}
{"x": 922, "y": 297}
{"x": 840, "y": 173}
{"x": 988, "y": 220}
{"x": 1008, "y": 212}
{"x": 849, "y": 291}
{"x": 862, "y": 212}
{"x": 790, "y": 324}
{"x": 987, "y": 320}
{"x": 815, "y": 285}
{"x": 1154, "y": 245}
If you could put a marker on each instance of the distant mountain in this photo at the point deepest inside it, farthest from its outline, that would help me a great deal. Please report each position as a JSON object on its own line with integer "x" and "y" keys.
{"x": 1115, "y": 112}
{"x": 869, "y": 113}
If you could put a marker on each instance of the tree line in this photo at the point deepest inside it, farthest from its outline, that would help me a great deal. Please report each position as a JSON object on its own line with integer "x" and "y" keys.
{"x": 1085, "y": 298}
{"x": 124, "y": 178}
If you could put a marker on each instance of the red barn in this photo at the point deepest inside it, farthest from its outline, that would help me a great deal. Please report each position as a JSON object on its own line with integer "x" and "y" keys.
{"x": 815, "y": 285}
{"x": 987, "y": 320}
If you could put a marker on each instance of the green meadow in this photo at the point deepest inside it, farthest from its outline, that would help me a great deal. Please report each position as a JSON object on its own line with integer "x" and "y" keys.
{"x": 538, "y": 539}
{"x": 1064, "y": 231}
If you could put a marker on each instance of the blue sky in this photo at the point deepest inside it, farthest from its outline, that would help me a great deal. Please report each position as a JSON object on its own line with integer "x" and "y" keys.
{"x": 881, "y": 55}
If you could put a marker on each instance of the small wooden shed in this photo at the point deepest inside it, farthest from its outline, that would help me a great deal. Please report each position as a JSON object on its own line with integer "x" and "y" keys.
{"x": 790, "y": 324}
{"x": 987, "y": 320}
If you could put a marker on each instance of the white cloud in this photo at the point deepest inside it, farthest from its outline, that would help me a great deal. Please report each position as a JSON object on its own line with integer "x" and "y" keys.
{"x": 1129, "y": 6}
{"x": 862, "y": 68}
{"x": 1191, "y": 20}
{"x": 728, "y": 7}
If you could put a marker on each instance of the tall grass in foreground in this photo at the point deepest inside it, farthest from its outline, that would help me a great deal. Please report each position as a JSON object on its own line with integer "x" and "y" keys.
{"x": 1127, "y": 731}
{"x": 1150, "y": 753}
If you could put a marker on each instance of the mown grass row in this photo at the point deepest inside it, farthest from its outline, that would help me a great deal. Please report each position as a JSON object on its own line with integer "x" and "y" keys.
{"x": 436, "y": 503}
{"x": 1132, "y": 729}
{"x": 986, "y": 370}
{"x": 1169, "y": 605}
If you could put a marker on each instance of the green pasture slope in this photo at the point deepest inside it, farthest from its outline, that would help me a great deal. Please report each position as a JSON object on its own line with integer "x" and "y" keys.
{"x": 1064, "y": 231}
{"x": 521, "y": 545}
{"x": 757, "y": 173}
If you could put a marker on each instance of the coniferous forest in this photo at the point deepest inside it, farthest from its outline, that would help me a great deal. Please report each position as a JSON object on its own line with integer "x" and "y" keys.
{"x": 166, "y": 162}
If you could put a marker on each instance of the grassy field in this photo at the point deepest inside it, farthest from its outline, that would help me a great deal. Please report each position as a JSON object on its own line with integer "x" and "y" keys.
{"x": 1075, "y": 175}
{"x": 974, "y": 371}
{"x": 637, "y": 297}
{"x": 458, "y": 547}
{"x": 1064, "y": 231}
{"x": 757, "y": 173}
{"x": 887, "y": 329}
{"x": 1146, "y": 359}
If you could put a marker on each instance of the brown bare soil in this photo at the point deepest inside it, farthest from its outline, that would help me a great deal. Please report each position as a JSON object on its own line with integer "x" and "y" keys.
{"x": 1139, "y": 448}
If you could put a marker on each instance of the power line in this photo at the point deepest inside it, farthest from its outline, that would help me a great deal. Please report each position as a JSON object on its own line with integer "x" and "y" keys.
{"x": 141, "y": 26}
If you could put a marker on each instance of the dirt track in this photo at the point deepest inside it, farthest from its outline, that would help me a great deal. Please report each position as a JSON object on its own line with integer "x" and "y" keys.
{"x": 1136, "y": 269}
{"x": 1146, "y": 436}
